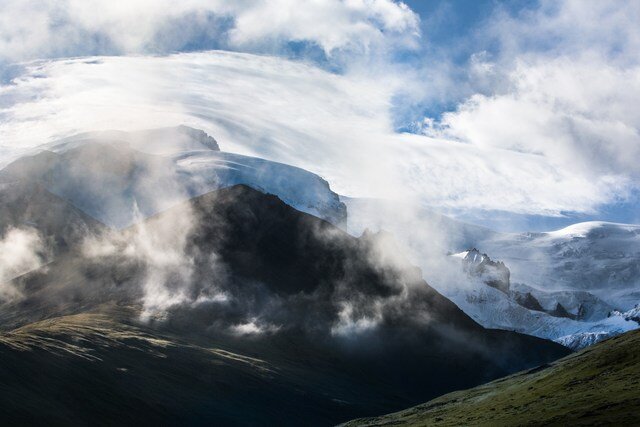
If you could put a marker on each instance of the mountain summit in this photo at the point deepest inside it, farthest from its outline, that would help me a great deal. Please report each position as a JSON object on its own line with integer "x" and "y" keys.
{"x": 120, "y": 178}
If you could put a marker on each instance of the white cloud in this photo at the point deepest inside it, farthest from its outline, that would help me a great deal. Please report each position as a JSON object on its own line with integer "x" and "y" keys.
{"x": 568, "y": 27}
{"x": 336, "y": 125}
{"x": 562, "y": 86}
{"x": 347, "y": 323}
{"x": 21, "y": 250}
{"x": 570, "y": 79}
{"x": 579, "y": 114}
{"x": 40, "y": 28}
{"x": 355, "y": 24}
{"x": 253, "y": 327}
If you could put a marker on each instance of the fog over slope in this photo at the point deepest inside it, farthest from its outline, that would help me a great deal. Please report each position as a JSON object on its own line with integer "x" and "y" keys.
{"x": 302, "y": 212}
{"x": 120, "y": 177}
{"x": 241, "y": 271}
{"x": 147, "y": 172}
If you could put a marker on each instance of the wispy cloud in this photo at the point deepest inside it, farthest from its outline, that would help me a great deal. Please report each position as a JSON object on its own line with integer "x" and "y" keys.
{"x": 560, "y": 82}
{"x": 339, "y": 126}
{"x": 21, "y": 250}
{"x": 542, "y": 123}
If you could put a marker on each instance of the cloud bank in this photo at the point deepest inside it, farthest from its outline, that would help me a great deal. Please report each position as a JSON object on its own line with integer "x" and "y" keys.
{"x": 542, "y": 123}
{"x": 21, "y": 250}
{"x": 338, "y": 126}
{"x": 39, "y": 28}
{"x": 563, "y": 84}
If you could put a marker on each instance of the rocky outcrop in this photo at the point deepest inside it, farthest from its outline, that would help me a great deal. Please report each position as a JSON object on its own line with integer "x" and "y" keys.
{"x": 527, "y": 301}
{"x": 494, "y": 274}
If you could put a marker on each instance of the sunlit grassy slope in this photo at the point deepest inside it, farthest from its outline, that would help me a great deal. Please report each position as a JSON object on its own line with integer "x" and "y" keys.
{"x": 597, "y": 386}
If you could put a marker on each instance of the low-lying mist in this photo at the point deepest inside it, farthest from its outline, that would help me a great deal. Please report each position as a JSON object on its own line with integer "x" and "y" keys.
{"x": 21, "y": 250}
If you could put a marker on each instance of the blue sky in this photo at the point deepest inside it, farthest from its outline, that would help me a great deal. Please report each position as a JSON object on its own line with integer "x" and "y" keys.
{"x": 519, "y": 115}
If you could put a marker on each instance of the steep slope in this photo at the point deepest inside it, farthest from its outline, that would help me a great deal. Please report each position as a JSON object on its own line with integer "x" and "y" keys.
{"x": 95, "y": 369}
{"x": 597, "y": 386}
{"x": 349, "y": 326}
{"x": 147, "y": 172}
{"x": 27, "y": 205}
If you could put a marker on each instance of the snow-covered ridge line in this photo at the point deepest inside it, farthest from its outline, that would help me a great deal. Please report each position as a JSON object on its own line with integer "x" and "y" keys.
{"x": 151, "y": 170}
{"x": 582, "y": 229}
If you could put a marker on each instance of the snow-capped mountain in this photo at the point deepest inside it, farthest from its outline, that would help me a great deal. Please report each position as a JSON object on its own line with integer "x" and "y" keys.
{"x": 296, "y": 187}
{"x": 573, "y": 285}
{"x": 563, "y": 285}
{"x": 147, "y": 172}
{"x": 494, "y": 309}
{"x": 573, "y": 318}
{"x": 480, "y": 266}
{"x": 599, "y": 257}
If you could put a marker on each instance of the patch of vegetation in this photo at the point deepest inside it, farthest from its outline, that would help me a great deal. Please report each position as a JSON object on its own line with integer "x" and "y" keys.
{"x": 597, "y": 386}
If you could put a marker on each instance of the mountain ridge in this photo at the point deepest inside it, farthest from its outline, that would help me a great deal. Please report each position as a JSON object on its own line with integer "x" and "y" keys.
{"x": 350, "y": 331}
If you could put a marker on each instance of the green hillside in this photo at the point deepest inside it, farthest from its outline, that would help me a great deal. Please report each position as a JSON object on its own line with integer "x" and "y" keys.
{"x": 599, "y": 385}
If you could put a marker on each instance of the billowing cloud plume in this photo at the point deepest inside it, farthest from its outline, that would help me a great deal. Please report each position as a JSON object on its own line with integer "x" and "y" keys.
{"x": 561, "y": 84}
{"x": 21, "y": 250}
{"x": 161, "y": 253}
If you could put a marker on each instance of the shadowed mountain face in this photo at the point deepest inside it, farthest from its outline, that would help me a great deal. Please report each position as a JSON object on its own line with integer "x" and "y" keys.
{"x": 107, "y": 180}
{"x": 28, "y": 205}
{"x": 235, "y": 308}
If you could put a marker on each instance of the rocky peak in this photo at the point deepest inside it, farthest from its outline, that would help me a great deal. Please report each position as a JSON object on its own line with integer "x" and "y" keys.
{"x": 492, "y": 273}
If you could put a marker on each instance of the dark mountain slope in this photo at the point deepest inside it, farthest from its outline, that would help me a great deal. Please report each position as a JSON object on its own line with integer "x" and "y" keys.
{"x": 597, "y": 386}
{"x": 26, "y": 204}
{"x": 95, "y": 368}
{"x": 348, "y": 325}
{"x": 107, "y": 180}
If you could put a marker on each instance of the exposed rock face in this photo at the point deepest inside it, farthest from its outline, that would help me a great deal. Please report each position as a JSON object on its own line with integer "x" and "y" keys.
{"x": 527, "y": 301}
{"x": 200, "y": 136}
{"x": 560, "y": 311}
{"x": 494, "y": 274}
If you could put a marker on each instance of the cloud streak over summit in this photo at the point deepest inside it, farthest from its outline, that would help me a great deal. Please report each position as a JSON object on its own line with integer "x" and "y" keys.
{"x": 336, "y": 126}
{"x": 540, "y": 128}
